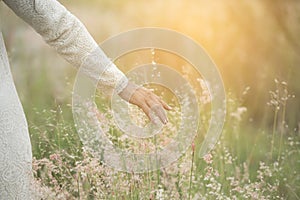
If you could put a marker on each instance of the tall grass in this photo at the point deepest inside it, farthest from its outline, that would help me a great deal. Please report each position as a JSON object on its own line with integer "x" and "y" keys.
{"x": 254, "y": 158}
{"x": 240, "y": 166}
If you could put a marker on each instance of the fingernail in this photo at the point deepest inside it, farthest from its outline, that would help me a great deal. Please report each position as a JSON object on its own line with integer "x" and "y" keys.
{"x": 169, "y": 107}
{"x": 165, "y": 121}
{"x": 154, "y": 122}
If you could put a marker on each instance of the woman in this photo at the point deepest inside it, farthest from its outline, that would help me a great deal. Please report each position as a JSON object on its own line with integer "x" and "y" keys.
{"x": 68, "y": 36}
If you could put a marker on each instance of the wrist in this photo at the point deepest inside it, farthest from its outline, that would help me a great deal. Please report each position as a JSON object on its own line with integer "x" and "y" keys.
{"x": 128, "y": 90}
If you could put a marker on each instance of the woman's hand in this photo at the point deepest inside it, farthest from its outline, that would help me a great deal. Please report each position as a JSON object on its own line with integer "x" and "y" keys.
{"x": 146, "y": 100}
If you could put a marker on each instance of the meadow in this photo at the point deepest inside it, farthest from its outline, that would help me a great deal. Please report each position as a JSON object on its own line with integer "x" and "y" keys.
{"x": 256, "y": 47}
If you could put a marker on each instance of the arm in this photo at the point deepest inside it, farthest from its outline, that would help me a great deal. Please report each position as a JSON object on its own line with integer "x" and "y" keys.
{"x": 69, "y": 37}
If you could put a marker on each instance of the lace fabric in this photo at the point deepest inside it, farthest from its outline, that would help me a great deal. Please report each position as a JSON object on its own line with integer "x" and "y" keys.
{"x": 68, "y": 36}
{"x": 15, "y": 148}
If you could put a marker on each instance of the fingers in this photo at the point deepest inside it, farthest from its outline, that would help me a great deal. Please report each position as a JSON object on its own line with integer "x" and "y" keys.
{"x": 146, "y": 110}
{"x": 160, "y": 112}
{"x": 150, "y": 103}
{"x": 165, "y": 105}
{"x": 155, "y": 105}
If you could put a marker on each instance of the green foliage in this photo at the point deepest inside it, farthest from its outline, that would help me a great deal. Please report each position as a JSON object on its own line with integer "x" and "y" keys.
{"x": 252, "y": 42}
{"x": 240, "y": 167}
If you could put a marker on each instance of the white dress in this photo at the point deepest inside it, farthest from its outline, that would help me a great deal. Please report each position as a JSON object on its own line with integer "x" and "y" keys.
{"x": 63, "y": 31}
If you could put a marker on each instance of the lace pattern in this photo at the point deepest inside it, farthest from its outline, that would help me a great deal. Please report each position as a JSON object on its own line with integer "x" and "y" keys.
{"x": 68, "y": 36}
{"x": 15, "y": 148}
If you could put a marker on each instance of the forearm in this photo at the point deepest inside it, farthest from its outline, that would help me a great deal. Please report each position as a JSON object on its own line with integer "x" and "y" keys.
{"x": 64, "y": 32}
{"x": 69, "y": 37}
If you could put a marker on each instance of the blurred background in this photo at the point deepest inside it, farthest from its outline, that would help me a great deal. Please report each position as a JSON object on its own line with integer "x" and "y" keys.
{"x": 252, "y": 42}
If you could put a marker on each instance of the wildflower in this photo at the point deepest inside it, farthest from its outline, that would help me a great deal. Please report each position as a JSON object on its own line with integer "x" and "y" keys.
{"x": 217, "y": 173}
{"x": 208, "y": 158}
{"x": 160, "y": 193}
{"x": 193, "y": 147}
{"x": 54, "y": 157}
{"x": 205, "y": 97}
{"x": 238, "y": 113}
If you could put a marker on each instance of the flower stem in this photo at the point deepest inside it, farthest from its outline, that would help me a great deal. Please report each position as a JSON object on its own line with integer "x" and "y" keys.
{"x": 274, "y": 131}
{"x": 191, "y": 173}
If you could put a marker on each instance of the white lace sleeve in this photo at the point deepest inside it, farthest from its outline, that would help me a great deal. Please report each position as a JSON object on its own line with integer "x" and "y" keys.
{"x": 63, "y": 31}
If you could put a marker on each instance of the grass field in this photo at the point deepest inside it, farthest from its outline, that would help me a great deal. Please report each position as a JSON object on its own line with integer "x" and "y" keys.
{"x": 247, "y": 163}
{"x": 258, "y": 154}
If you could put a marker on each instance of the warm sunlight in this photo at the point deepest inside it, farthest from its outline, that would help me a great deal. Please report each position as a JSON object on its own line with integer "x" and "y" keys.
{"x": 255, "y": 46}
